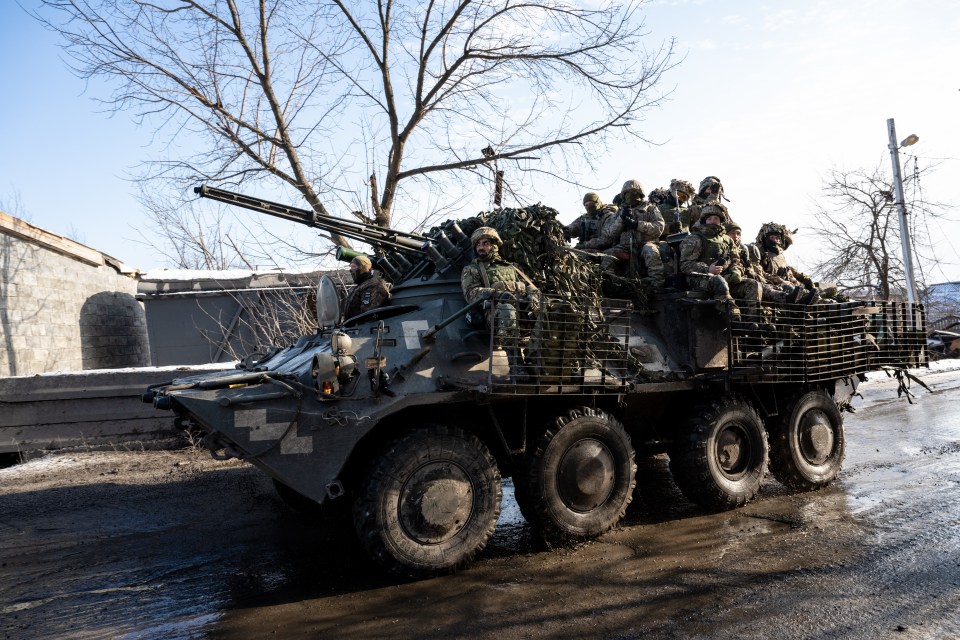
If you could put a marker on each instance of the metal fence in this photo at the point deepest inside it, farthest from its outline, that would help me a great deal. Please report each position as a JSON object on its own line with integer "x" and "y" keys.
{"x": 829, "y": 341}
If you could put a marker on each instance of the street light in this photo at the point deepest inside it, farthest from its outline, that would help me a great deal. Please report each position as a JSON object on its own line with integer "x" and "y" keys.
{"x": 901, "y": 209}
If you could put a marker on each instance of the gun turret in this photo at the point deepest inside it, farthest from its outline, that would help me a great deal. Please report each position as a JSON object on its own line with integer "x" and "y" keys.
{"x": 399, "y": 255}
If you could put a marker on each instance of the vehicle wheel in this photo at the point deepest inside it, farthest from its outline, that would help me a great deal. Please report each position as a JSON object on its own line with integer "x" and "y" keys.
{"x": 807, "y": 443}
{"x": 430, "y": 502}
{"x": 720, "y": 461}
{"x": 580, "y": 478}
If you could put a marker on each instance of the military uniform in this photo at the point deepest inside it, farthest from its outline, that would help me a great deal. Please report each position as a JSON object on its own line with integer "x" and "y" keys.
{"x": 640, "y": 224}
{"x": 371, "y": 292}
{"x": 671, "y": 202}
{"x": 495, "y": 278}
{"x": 750, "y": 263}
{"x": 708, "y": 244}
{"x": 777, "y": 270}
{"x": 691, "y": 216}
{"x": 588, "y": 226}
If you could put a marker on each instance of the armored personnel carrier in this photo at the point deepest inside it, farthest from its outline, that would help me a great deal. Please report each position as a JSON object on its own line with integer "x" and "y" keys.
{"x": 410, "y": 415}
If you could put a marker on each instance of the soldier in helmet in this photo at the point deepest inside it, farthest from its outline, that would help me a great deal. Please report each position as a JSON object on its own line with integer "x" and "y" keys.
{"x": 371, "y": 291}
{"x": 672, "y": 202}
{"x": 750, "y": 262}
{"x": 772, "y": 241}
{"x": 588, "y": 226}
{"x": 641, "y": 225}
{"x": 503, "y": 286}
{"x": 712, "y": 263}
{"x": 709, "y": 192}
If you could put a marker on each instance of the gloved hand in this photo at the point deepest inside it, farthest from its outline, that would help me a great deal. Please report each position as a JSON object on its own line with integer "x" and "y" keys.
{"x": 629, "y": 222}
{"x": 806, "y": 281}
{"x": 486, "y": 294}
{"x": 567, "y": 235}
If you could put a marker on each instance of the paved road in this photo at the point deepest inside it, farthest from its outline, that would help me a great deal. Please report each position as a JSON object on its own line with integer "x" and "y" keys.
{"x": 165, "y": 545}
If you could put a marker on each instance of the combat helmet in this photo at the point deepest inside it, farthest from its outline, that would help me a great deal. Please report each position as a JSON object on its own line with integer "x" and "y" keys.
{"x": 633, "y": 184}
{"x": 786, "y": 236}
{"x": 682, "y": 186}
{"x": 591, "y": 196}
{"x": 714, "y": 209}
{"x": 711, "y": 181}
{"x": 660, "y": 196}
{"x": 488, "y": 233}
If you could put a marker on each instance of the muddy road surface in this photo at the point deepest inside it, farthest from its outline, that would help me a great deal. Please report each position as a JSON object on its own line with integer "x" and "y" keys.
{"x": 175, "y": 545}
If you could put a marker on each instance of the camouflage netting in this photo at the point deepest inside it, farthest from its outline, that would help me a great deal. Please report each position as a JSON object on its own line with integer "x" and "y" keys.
{"x": 533, "y": 240}
{"x": 574, "y": 287}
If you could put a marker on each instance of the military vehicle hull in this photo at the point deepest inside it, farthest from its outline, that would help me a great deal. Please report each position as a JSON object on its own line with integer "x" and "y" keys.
{"x": 411, "y": 414}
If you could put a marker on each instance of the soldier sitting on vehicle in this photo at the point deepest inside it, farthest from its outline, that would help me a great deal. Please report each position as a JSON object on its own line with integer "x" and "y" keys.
{"x": 750, "y": 262}
{"x": 709, "y": 192}
{"x": 503, "y": 287}
{"x": 772, "y": 241}
{"x": 371, "y": 291}
{"x": 588, "y": 226}
{"x": 712, "y": 265}
{"x": 671, "y": 203}
{"x": 641, "y": 224}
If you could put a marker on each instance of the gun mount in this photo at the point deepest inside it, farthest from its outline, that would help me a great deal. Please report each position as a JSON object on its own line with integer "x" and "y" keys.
{"x": 399, "y": 255}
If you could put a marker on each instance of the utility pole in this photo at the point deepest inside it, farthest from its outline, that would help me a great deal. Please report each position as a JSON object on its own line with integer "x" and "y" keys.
{"x": 901, "y": 208}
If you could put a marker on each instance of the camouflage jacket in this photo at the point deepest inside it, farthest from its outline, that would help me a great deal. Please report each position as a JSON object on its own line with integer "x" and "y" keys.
{"x": 775, "y": 263}
{"x": 649, "y": 225}
{"x": 587, "y": 226}
{"x": 690, "y": 217}
{"x": 608, "y": 233}
{"x": 500, "y": 276}
{"x": 705, "y": 246}
{"x": 371, "y": 293}
{"x": 750, "y": 262}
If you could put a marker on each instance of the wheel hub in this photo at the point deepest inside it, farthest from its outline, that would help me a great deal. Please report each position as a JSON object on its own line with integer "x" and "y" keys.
{"x": 585, "y": 477}
{"x": 436, "y": 503}
{"x": 816, "y": 437}
{"x": 733, "y": 450}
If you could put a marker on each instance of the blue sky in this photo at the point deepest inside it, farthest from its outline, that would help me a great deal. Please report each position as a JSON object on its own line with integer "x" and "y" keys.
{"x": 770, "y": 97}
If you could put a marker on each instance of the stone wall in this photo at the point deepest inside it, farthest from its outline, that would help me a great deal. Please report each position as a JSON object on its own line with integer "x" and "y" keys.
{"x": 64, "y": 306}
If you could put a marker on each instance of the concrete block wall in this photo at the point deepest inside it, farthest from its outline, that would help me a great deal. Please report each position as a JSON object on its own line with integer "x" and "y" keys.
{"x": 59, "y": 312}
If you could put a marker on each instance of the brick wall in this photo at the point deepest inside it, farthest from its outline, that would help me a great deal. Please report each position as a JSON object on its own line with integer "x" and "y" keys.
{"x": 60, "y": 310}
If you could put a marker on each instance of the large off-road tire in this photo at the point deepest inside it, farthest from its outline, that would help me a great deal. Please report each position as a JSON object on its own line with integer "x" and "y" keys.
{"x": 806, "y": 441}
{"x": 429, "y": 503}
{"x": 720, "y": 459}
{"x": 580, "y": 478}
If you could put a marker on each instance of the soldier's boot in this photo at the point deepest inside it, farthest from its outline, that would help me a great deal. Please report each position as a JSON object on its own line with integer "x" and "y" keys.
{"x": 813, "y": 297}
{"x": 794, "y": 295}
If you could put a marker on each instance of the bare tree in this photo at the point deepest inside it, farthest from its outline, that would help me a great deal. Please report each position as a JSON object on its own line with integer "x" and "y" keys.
{"x": 354, "y": 105}
{"x": 860, "y": 232}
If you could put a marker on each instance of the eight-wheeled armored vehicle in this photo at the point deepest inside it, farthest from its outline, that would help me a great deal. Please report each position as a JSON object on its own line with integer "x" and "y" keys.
{"x": 411, "y": 414}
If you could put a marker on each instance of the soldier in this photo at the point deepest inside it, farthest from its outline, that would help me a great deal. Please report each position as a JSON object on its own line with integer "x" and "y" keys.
{"x": 587, "y": 226}
{"x": 491, "y": 278}
{"x": 712, "y": 264}
{"x": 750, "y": 262}
{"x": 371, "y": 291}
{"x": 670, "y": 202}
{"x": 772, "y": 241}
{"x": 642, "y": 225}
{"x": 709, "y": 192}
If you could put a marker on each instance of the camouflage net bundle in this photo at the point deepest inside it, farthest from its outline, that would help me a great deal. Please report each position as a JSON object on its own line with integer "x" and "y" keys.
{"x": 573, "y": 287}
{"x": 533, "y": 240}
